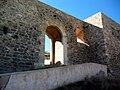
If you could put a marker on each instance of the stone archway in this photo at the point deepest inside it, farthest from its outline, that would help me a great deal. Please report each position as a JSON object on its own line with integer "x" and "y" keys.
{"x": 55, "y": 35}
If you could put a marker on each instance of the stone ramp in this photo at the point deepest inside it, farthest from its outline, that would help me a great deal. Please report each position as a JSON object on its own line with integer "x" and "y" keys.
{"x": 49, "y": 79}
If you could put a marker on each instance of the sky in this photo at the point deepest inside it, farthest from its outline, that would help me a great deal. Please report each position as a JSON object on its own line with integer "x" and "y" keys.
{"x": 47, "y": 44}
{"x": 83, "y": 9}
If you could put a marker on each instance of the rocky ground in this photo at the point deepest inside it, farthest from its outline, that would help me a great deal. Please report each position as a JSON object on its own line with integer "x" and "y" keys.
{"x": 94, "y": 83}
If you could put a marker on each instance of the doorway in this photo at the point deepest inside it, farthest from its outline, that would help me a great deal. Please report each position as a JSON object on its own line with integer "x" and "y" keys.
{"x": 56, "y": 46}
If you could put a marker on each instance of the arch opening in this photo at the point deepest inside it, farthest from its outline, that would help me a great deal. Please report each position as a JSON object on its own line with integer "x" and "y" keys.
{"x": 56, "y": 46}
{"x": 80, "y": 36}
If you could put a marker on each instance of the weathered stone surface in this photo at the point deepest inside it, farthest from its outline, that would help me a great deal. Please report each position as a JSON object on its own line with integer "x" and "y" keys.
{"x": 49, "y": 79}
{"x": 111, "y": 42}
{"x": 111, "y": 31}
{"x": 23, "y": 25}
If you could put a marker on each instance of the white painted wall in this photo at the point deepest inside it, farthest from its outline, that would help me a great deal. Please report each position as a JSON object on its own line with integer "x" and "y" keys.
{"x": 48, "y": 79}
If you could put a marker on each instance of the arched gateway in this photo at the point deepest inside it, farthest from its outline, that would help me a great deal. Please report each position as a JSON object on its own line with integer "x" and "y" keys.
{"x": 57, "y": 44}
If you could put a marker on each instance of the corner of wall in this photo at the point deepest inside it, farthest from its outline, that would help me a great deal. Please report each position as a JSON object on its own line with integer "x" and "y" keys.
{"x": 111, "y": 32}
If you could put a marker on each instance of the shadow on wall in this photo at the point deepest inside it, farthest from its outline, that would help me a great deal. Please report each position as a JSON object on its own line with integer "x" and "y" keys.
{"x": 80, "y": 36}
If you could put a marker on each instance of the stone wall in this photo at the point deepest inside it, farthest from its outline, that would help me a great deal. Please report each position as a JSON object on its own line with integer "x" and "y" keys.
{"x": 20, "y": 31}
{"x": 49, "y": 79}
{"x": 111, "y": 42}
{"x": 67, "y": 25}
{"x": 23, "y": 25}
{"x": 111, "y": 31}
{"x": 76, "y": 52}
{"x": 96, "y": 49}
